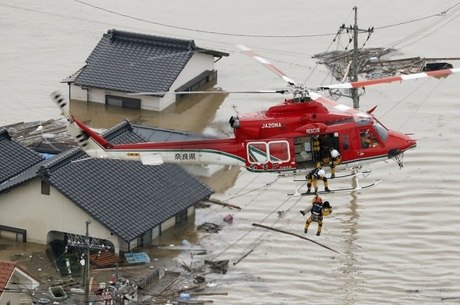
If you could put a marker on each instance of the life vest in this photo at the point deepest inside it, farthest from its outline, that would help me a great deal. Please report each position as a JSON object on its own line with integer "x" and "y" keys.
{"x": 314, "y": 174}
{"x": 317, "y": 209}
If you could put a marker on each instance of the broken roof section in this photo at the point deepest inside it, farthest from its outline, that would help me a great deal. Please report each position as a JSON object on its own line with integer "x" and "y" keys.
{"x": 376, "y": 63}
{"x": 16, "y": 278}
{"x": 132, "y": 62}
{"x": 15, "y": 157}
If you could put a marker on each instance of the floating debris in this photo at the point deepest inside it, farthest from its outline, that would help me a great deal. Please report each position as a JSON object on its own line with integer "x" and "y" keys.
{"x": 374, "y": 63}
{"x": 218, "y": 266}
{"x": 209, "y": 227}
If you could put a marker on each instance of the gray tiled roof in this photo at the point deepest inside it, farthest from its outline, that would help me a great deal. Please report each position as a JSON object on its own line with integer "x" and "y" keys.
{"x": 132, "y": 62}
{"x": 128, "y": 197}
{"x": 15, "y": 158}
{"x": 125, "y": 196}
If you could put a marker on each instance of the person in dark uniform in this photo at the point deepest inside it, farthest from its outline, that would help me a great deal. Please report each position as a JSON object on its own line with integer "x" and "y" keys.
{"x": 312, "y": 179}
{"x": 317, "y": 211}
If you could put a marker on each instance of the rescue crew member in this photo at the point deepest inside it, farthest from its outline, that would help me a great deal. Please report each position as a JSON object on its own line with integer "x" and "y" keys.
{"x": 312, "y": 179}
{"x": 316, "y": 147}
{"x": 335, "y": 160}
{"x": 317, "y": 211}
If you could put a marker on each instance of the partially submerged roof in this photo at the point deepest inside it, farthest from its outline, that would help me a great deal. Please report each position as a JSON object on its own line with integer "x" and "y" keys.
{"x": 15, "y": 157}
{"x": 125, "y": 196}
{"x": 132, "y": 62}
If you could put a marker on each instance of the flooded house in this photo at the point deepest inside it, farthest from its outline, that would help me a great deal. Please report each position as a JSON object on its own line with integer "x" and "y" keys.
{"x": 141, "y": 71}
{"x": 128, "y": 204}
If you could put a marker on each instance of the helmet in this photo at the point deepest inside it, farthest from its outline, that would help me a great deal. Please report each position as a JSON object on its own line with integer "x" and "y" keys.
{"x": 321, "y": 173}
{"x": 318, "y": 199}
{"x": 334, "y": 153}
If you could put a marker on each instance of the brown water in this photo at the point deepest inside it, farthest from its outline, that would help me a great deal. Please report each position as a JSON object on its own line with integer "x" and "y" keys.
{"x": 398, "y": 243}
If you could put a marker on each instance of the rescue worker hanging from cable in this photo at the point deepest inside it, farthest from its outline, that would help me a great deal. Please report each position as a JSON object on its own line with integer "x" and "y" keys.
{"x": 312, "y": 179}
{"x": 317, "y": 211}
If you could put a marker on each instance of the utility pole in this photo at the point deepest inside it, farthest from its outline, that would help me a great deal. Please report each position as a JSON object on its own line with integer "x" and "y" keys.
{"x": 86, "y": 244}
{"x": 355, "y": 58}
{"x": 86, "y": 278}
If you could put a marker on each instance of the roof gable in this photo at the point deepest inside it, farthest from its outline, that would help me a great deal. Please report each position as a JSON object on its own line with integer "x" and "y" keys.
{"x": 132, "y": 62}
{"x": 15, "y": 157}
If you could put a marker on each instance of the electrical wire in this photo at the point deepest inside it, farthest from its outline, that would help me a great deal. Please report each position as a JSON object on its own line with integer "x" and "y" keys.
{"x": 254, "y": 35}
{"x": 431, "y": 27}
{"x": 202, "y": 31}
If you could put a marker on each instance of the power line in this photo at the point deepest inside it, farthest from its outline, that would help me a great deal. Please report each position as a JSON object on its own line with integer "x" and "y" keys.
{"x": 440, "y": 14}
{"x": 203, "y": 31}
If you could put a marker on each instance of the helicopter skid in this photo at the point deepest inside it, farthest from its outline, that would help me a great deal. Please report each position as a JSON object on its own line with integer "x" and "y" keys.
{"x": 339, "y": 190}
{"x": 353, "y": 174}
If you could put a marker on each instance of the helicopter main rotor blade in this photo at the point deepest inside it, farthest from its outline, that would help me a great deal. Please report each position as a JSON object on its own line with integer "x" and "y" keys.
{"x": 267, "y": 64}
{"x": 280, "y": 91}
{"x": 391, "y": 79}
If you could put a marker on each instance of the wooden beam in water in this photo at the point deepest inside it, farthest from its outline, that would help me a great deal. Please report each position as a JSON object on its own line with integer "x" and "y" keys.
{"x": 294, "y": 234}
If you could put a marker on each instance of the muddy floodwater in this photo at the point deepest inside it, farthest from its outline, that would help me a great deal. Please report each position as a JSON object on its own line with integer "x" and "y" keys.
{"x": 397, "y": 243}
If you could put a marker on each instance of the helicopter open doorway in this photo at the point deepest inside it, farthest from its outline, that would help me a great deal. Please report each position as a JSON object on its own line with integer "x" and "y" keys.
{"x": 314, "y": 151}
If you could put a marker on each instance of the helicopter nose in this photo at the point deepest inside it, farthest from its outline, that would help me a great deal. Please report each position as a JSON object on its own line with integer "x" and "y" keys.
{"x": 401, "y": 143}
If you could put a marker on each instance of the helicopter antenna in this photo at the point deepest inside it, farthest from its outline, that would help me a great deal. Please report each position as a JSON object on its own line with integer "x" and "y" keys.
{"x": 236, "y": 111}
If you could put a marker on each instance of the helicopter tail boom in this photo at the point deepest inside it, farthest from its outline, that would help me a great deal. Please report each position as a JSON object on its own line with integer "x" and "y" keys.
{"x": 391, "y": 79}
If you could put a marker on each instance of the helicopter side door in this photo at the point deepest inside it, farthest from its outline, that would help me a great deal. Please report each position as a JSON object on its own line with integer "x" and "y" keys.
{"x": 269, "y": 155}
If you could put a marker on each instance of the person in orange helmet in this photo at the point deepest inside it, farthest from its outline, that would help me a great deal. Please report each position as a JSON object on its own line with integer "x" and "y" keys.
{"x": 317, "y": 210}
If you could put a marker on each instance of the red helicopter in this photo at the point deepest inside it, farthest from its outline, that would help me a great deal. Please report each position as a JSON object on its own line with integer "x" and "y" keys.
{"x": 276, "y": 140}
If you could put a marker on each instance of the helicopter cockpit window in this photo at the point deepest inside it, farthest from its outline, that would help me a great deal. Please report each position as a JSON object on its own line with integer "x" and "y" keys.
{"x": 368, "y": 140}
{"x": 361, "y": 121}
{"x": 382, "y": 132}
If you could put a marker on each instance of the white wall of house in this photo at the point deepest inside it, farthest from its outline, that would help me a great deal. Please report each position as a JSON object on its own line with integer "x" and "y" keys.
{"x": 25, "y": 207}
{"x": 197, "y": 64}
{"x": 44, "y": 216}
{"x": 168, "y": 223}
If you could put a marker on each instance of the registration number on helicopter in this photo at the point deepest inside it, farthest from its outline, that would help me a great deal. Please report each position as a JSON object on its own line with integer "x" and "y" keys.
{"x": 272, "y": 125}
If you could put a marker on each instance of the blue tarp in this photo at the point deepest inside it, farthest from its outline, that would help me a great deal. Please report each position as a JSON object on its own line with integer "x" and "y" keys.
{"x": 139, "y": 257}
